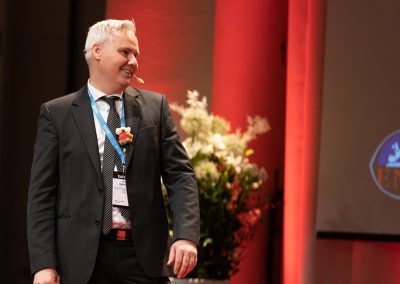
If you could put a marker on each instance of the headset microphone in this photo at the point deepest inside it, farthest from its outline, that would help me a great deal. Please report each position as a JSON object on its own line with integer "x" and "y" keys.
{"x": 139, "y": 80}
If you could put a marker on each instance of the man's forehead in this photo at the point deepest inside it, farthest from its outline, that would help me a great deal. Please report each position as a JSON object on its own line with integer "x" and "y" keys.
{"x": 125, "y": 32}
{"x": 126, "y": 36}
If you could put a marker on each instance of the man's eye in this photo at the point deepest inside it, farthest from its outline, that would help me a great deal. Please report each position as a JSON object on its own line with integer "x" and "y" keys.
{"x": 124, "y": 53}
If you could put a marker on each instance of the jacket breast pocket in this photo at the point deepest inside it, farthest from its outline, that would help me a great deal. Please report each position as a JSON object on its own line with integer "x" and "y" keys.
{"x": 147, "y": 131}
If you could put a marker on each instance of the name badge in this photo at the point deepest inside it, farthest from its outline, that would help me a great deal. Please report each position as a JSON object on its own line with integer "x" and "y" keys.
{"x": 120, "y": 195}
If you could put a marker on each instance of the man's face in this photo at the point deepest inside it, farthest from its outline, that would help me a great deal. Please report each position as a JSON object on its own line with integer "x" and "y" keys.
{"x": 117, "y": 61}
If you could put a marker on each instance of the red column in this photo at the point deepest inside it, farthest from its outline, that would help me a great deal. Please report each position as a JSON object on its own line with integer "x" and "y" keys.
{"x": 304, "y": 88}
{"x": 175, "y": 40}
{"x": 249, "y": 79}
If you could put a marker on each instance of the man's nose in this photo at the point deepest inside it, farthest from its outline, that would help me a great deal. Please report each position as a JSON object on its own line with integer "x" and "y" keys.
{"x": 133, "y": 61}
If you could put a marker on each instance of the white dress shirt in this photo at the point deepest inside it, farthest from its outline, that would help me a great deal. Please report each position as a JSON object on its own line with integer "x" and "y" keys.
{"x": 104, "y": 108}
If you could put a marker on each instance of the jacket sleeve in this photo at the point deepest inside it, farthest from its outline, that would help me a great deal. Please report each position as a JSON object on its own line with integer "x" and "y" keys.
{"x": 42, "y": 195}
{"x": 179, "y": 179}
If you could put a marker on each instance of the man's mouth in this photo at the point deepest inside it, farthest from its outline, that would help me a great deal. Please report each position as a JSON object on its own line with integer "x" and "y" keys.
{"x": 128, "y": 71}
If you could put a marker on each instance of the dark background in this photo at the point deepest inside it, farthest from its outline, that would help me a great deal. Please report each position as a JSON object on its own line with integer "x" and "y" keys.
{"x": 41, "y": 58}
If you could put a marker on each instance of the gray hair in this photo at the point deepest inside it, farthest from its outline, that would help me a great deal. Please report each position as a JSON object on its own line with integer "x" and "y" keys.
{"x": 102, "y": 33}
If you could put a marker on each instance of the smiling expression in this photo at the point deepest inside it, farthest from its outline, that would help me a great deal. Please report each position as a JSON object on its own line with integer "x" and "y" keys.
{"x": 115, "y": 62}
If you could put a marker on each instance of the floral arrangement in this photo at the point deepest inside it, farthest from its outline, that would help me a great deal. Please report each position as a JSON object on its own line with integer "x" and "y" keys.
{"x": 231, "y": 203}
{"x": 124, "y": 135}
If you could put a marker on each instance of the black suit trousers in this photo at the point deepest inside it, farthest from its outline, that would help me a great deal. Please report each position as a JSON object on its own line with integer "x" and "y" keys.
{"x": 117, "y": 263}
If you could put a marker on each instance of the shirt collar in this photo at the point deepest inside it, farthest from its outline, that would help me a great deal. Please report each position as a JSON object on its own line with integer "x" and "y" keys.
{"x": 97, "y": 94}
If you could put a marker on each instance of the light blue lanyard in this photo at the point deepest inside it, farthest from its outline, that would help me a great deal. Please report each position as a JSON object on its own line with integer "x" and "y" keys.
{"x": 107, "y": 130}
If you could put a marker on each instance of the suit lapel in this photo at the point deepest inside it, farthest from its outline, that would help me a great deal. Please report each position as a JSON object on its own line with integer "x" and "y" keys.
{"x": 132, "y": 114}
{"x": 83, "y": 116}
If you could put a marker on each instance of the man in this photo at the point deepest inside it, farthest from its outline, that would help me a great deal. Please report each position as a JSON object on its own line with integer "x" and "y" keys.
{"x": 95, "y": 205}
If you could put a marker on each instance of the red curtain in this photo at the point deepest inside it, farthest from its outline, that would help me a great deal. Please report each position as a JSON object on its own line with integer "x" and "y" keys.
{"x": 304, "y": 85}
{"x": 249, "y": 79}
{"x": 307, "y": 259}
{"x": 175, "y": 40}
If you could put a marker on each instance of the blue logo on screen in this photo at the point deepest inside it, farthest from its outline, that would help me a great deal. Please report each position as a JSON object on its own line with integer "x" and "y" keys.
{"x": 385, "y": 165}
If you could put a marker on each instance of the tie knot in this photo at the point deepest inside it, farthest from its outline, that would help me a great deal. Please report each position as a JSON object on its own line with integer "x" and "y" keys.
{"x": 110, "y": 100}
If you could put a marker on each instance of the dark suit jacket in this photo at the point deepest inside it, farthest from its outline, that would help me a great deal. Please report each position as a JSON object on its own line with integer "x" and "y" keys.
{"x": 65, "y": 200}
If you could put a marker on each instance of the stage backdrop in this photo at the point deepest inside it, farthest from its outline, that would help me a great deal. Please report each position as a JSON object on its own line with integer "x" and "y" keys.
{"x": 233, "y": 53}
{"x": 175, "y": 41}
{"x": 308, "y": 260}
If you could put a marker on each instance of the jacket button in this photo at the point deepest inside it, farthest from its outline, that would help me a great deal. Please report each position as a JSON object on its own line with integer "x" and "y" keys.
{"x": 97, "y": 222}
{"x": 100, "y": 190}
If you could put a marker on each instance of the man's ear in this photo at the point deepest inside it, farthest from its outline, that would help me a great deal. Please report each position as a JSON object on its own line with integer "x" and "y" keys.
{"x": 96, "y": 51}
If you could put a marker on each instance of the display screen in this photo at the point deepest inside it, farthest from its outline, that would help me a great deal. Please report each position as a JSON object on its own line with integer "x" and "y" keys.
{"x": 359, "y": 165}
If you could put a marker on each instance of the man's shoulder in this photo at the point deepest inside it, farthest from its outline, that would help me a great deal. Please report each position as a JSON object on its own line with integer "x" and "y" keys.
{"x": 65, "y": 100}
{"x": 143, "y": 94}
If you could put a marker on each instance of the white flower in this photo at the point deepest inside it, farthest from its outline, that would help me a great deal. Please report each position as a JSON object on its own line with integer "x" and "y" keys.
{"x": 235, "y": 144}
{"x": 216, "y": 141}
{"x": 192, "y": 147}
{"x": 219, "y": 125}
{"x": 234, "y": 161}
{"x": 195, "y": 119}
{"x": 206, "y": 169}
{"x": 206, "y": 149}
{"x": 209, "y": 135}
{"x": 193, "y": 100}
{"x": 255, "y": 126}
{"x": 195, "y": 122}
{"x": 120, "y": 129}
{"x": 254, "y": 170}
{"x": 255, "y": 185}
